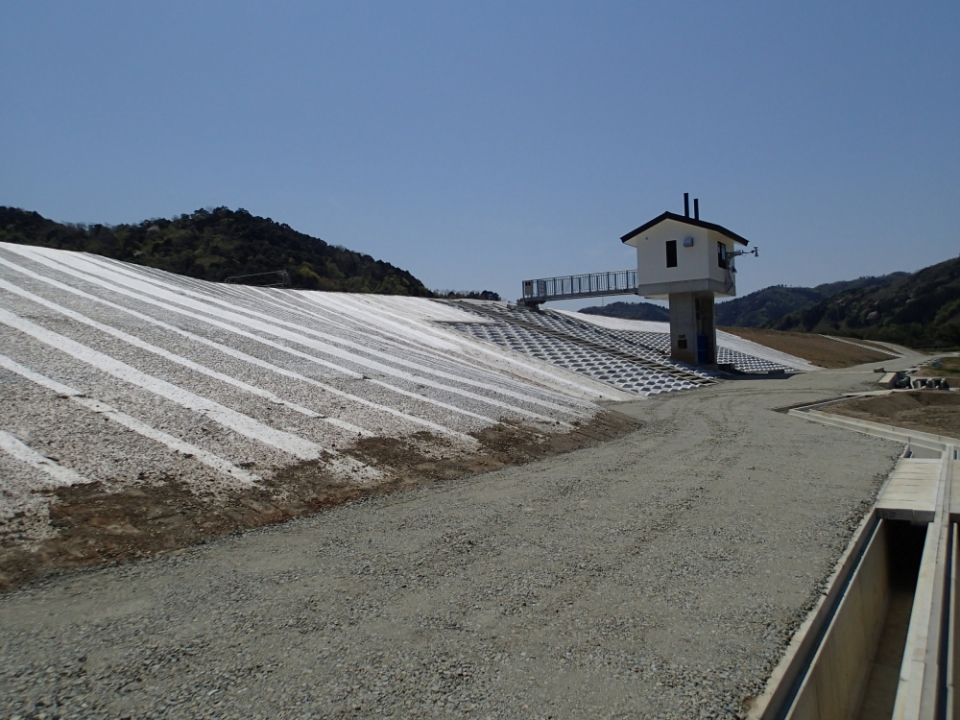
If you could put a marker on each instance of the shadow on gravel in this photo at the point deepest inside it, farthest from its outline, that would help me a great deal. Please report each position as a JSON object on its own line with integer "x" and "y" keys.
{"x": 93, "y": 526}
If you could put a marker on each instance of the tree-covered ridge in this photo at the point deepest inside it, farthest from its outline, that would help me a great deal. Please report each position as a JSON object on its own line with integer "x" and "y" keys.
{"x": 758, "y": 309}
{"x": 918, "y": 310}
{"x": 217, "y": 244}
{"x": 762, "y": 306}
{"x": 630, "y": 311}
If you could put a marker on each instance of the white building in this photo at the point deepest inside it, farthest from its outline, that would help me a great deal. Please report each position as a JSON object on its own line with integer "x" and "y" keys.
{"x": 690, "y": 262}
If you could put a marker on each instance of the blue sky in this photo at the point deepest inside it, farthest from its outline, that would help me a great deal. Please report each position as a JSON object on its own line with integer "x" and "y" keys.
{"x": 478, "y": 144}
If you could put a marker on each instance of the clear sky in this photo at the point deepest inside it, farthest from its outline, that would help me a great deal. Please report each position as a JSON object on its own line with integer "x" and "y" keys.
{"x": 478, "y": 144}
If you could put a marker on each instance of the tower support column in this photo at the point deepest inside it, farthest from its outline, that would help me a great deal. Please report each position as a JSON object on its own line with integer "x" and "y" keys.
{"x": 693, "y": 328}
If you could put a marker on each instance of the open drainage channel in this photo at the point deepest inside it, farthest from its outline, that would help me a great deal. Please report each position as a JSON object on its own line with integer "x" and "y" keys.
{"x": 882, "y": 641}
{"x": 848, "y": 665}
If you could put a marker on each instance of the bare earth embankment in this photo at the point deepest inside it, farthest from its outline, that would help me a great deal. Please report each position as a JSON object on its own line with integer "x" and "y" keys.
{"x": 932, "y": 411}
{"x": 817, "y": 349}
{"x": 656, "y": 575}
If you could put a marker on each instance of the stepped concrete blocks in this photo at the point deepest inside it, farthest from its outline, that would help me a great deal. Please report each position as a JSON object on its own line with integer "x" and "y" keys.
{"x": 635, "y": 361}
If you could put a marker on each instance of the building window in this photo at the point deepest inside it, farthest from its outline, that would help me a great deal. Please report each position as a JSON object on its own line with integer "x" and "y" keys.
{"x": 721, "y": 255}
{"x": 671, "y": 253}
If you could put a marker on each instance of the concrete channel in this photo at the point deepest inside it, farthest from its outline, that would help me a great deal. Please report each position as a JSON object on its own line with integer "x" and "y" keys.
{"x": 882, "y": 642}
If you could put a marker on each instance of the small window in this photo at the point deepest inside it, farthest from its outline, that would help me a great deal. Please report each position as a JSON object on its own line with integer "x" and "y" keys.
{"x": 671, "y": 253}
{"x": 721, "y": 255}
{"x": 682, "y": 342}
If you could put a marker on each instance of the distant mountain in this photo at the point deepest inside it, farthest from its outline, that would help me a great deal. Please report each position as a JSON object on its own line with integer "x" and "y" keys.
{"x": 216, "y": 244}
{"x": 630, "y": 311}
{"x": 757, "y": 309}
{"x": 919, "y": 310}
{"x": 762, "y": 307}
{"x": 828, "y": 290}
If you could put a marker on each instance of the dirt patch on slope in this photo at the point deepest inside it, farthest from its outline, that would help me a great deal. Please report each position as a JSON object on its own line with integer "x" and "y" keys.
{"x": 932, "y": 411}
{"x": 816, "y": 349}
{"x": 94, "y": 526}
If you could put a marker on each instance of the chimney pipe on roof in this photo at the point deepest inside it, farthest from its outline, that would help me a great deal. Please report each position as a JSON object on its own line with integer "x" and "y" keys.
{"x": 696, "y": 208}
{"x": 686, "y": 204}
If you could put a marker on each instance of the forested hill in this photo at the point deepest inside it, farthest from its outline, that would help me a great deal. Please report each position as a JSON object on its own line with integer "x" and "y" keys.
{"x": 630, "y": 311}
{"x": 758, "y": 309}
{"x": 919, "y": 310}
{"x": 762, "y": 307}
{"x": 216, "y": 244}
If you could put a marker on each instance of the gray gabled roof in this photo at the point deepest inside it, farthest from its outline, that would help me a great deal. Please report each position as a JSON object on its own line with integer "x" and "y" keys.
{"x": 689, "y": 221}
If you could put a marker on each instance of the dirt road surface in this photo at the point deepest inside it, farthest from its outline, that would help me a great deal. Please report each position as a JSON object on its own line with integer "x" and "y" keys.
{"x": 657, "y": 575}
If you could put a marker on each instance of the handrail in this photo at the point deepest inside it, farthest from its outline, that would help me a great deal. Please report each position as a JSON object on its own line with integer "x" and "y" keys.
{"x": 563, "y": 287}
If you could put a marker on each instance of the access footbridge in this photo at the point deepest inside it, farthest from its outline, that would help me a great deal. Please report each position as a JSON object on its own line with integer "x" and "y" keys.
{"x": 576, "y": 287}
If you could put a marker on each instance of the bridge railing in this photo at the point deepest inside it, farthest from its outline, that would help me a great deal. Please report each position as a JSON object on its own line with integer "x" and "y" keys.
{"x": 565, "y": 287}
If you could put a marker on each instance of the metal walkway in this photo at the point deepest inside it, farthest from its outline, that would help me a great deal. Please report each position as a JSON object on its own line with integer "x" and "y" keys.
{"x": 569, "y": 287}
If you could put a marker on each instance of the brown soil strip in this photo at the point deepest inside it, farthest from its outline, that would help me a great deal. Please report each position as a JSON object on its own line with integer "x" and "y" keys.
{"x": 95, "y": 526}
{"x": 816, "y": 349}
{"x": 932, "y": 411}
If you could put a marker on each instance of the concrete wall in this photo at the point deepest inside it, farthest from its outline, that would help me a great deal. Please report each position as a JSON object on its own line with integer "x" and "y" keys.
{"x": 685, "y": 325}
{"x": 834, "y": 683}
{"x": 953, "y": 647}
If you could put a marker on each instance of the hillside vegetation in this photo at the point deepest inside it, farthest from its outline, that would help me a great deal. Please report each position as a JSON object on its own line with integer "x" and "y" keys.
{"x": 758, "y": 309}
{"x": 630, "y": 311}
{"x": 216, "y": 244}
{"x": 919, "y": 310}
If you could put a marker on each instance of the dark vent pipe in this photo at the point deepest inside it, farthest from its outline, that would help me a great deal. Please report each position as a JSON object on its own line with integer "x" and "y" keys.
{"x": 686, "y": 204}
{"x": 696, "y": 208}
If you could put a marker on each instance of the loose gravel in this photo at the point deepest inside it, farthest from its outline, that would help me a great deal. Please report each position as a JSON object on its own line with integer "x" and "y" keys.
{"x": 659, "y": 575}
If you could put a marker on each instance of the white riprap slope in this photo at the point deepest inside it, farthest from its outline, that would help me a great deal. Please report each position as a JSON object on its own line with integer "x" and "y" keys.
{"x": 126, "y": 375}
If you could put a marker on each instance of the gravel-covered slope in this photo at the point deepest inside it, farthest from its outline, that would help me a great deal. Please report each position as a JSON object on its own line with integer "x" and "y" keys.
{"x": 131, "y": 377}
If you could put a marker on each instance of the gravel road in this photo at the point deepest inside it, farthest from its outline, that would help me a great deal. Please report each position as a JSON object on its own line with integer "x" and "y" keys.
{"x": 658, "y": 575}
